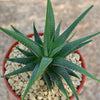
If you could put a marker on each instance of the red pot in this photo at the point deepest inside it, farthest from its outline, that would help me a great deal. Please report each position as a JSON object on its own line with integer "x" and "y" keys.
{"x": 11, "y": 93}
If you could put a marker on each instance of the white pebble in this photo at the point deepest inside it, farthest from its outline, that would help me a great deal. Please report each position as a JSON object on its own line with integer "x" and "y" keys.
{"x": 41, "y": 82}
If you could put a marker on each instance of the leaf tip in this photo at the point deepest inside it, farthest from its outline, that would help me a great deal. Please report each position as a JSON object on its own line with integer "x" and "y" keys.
{"x": 5, "y": 59}
{"x": 92, "y": 6}
{"x": 2, "y": 76}
{"x": 1, "y": 28}
{"x": 11, "y": 25}
{"x": 33, "y": 23}
{"x": 23, "y": 97}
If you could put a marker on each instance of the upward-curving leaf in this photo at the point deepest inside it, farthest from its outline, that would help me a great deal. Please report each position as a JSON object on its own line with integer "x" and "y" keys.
{"x": 56, "y": 50}
{"x": 36, "y": 35}
{"x": 51, "y": 20}
{"x": 62, "y": 38}
{"x": 38, "y": 70}
{"x": 70, "y": 46}
{"x": 30, "y": 44}
{"x": 16, "y": 30}
{"x": 49, "y": 28}
{"x": 72, "y": 36}
{"x": 79, "y": 46}
{"x": 67, "y": 64}
{"x": 57, "y": 30}
{"x": 20, "y": 33}
{"x": 28, "y": 67}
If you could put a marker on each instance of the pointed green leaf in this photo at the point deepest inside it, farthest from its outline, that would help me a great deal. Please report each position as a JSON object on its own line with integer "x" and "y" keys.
{"x": 57, "y": 80}
{"x": 62, "y": 72}
{"x": 28, "y": 67}
{"x": 79, "y": 46}
{"x": 36, "y": 35}
{"x": 57, "y": 49}
{"x": 62, "y": 38}
{"x": 50, "y": 47}
{"x": 51, "y": 19}
{"x": 49, "y": 28}
{"x": 20, "y": 33}
{"x": 70, "y": 46}
{"x": 70, "y": 72}
{"x": 24, "y": 60}
{"x": 72, "y": 36}
{"x": 30, "y": 44}
{"x": 46, "y": 32}
{"x": 16, "y": 30}
{"x": 38, "y": 70}
{"x": 47, "y": 80}
{"x": 57, "y": 30}
{"x": 32, "y": 79}
{"x": 26, "y": 53}
{"x": 67, "y": 64}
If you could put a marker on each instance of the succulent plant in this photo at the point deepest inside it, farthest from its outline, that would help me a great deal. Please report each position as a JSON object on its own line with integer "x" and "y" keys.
{"x": 47, "y": 57}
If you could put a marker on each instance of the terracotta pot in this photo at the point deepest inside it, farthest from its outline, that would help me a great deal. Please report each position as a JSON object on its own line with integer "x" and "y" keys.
{"x": 11, "y": 93}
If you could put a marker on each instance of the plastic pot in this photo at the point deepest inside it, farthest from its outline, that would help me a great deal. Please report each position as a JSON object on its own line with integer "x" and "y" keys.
{"x": 11, "y": 93}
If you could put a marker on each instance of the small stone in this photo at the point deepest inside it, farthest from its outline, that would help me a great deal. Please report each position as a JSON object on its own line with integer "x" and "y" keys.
{"x": 17, "y": 87}
{"x": 34, "y": 87}
{"x": 45, "y": 99}
{"x": 63, "y": 98}
{"x": 45, "y": 93}
{"x": 56, "y": 98}
{"x": 10, "y": 81}
{"x": 41, "y": 82}
{"x": 24, "y": 76}
{"x": 16, "y": 78}
{"x": 40, "y": 97}
{"x": 32, "y": 96}
{"x": 77, "y": 82}
{"x": 20, "y": 83}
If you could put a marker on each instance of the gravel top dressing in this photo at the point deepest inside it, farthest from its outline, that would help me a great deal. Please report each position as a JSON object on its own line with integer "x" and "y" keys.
{"x": 39, "y": 90}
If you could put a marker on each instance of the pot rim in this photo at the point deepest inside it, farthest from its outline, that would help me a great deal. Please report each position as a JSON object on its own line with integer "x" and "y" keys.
{"x": 30, "y": 35}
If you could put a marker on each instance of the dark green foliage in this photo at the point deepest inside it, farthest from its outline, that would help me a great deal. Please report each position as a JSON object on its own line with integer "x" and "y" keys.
{"x": 28, "y": 67}
{"x": 36, "y": 35}
{"x": 24, "y": 60}
{"x": 47, "y": 80}
{"x": 47, "y": 58}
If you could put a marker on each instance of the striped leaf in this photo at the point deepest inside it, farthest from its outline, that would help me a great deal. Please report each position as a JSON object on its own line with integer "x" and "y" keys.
{"x": 79, "y": 46}
{"x": 31, "y": 45}
{"x": 70, "y": 72}
{"x": 20, "y": 33}
{"x": 49, "y": 28}
{"x": 47, "y": 80}
{"x": 38, "y": 70}
{"x": 67, "y": 64}
{"x": 57, "y": 80}
{"x": 57, "y": 30}
{"x": 62, "y": 72}
{"x": 24, "y": 60}
{"x": 62, "y": 38}
{"x": 56, "y": 50}
{"x": 36, "y": 35}
{"x": 70, "y": 46}
{"x": 26, "y": 53}
{"x": 28, "y": 67}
